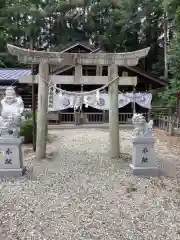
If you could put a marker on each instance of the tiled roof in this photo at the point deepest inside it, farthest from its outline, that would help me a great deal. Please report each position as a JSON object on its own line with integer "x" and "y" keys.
{"x": 13, "y": 74}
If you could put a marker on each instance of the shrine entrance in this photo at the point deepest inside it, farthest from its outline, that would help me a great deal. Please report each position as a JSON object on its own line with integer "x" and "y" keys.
{"x": 112, "y": 81}
{"x": 62, "y": 111}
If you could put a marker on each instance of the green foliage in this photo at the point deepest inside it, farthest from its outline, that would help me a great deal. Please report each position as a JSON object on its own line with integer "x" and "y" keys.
{"x": 2, "y": 64}
{"x": 27, "y": 127}
{"x": 115, "y": 25}
{"x": 27, "y": 130}
{"x": 29, "y": 114}
{"x": 168, "y": 97}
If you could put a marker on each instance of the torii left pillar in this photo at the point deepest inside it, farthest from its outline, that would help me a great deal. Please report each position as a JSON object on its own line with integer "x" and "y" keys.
{"x": 42, "y": 110}
{"x": 113, "y": 112}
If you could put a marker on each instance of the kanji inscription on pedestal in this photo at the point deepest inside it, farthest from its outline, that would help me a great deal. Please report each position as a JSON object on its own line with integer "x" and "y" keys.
{"x": 145, "y": 157}
{"x": 144, "y": 160}
{"x": 9, "y": 157}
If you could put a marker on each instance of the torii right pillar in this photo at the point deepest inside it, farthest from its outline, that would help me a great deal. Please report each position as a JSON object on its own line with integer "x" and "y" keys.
{"x": 42, "y": 110}
{"x": 113, "y": 112}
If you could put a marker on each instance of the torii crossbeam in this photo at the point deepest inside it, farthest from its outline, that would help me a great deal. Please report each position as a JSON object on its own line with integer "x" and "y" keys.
{"x": 44, "y": 58}
{"x": 119, "y": 59}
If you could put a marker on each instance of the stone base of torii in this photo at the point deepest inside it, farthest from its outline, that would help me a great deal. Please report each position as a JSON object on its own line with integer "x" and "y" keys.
{"x": 112, "y": 60}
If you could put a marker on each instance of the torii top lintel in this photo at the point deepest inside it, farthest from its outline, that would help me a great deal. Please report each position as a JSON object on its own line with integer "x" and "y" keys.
{"x": 120, "y": 59}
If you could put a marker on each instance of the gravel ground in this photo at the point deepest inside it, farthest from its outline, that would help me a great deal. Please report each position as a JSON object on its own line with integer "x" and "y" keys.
{"x": 79, "y": 193}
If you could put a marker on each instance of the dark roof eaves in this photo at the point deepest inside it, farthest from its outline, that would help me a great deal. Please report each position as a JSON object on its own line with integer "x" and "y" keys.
{"x": 74, "y": 44}
{"x": 145, "y": 74}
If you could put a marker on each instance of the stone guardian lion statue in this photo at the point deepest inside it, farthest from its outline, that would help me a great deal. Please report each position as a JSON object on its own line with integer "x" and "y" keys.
{"x": 141, "y": 127}
{"x": 11, "y": 113}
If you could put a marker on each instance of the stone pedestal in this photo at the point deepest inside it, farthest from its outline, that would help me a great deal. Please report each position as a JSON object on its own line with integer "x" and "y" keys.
{"x": 143, "y": 156}
{"x": 11, "y": 162}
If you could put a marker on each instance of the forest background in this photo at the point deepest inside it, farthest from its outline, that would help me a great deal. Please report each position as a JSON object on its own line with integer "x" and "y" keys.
{"x": 113, "y": 25}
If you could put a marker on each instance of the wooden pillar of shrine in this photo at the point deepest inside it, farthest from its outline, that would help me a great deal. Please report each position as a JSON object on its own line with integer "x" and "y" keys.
{"x": 113, "y": 112}
{"x": 78, "y": 73}
{"x": 170, "y": 121}
{"x": 42, "y": 110}
{"x": 99, "y": 71}
{"x": 77, "y": 80}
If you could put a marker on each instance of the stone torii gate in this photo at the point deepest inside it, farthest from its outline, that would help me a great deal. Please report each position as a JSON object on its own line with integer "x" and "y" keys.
{"x": 112, "y": 60}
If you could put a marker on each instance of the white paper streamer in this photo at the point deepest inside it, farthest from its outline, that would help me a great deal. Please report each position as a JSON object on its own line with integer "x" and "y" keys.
{"x": 144, "y": 100}
{"x": 101, "y": 101}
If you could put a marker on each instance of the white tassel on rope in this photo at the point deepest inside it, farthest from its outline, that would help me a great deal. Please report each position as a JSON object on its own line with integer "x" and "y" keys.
{"x": 77, "y": 102}
{"x": 60, "y": 95}
{"x": 61, "y": 98}
{"x": 86, "y": 101}
{"x": 97, "y": 95}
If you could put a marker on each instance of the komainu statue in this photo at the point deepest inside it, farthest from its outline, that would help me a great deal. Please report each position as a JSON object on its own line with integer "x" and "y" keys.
{"x": 141, "y": 127}
{"x": 12, "y": 108}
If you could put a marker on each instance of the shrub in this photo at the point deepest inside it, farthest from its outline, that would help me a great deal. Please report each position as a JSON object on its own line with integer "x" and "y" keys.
{"x": 26, "y": 130}
{"x": 28, "y": 114}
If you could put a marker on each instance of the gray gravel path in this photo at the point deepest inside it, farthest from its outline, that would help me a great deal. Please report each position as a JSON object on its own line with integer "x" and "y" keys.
{"x": 79, "y": 193}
